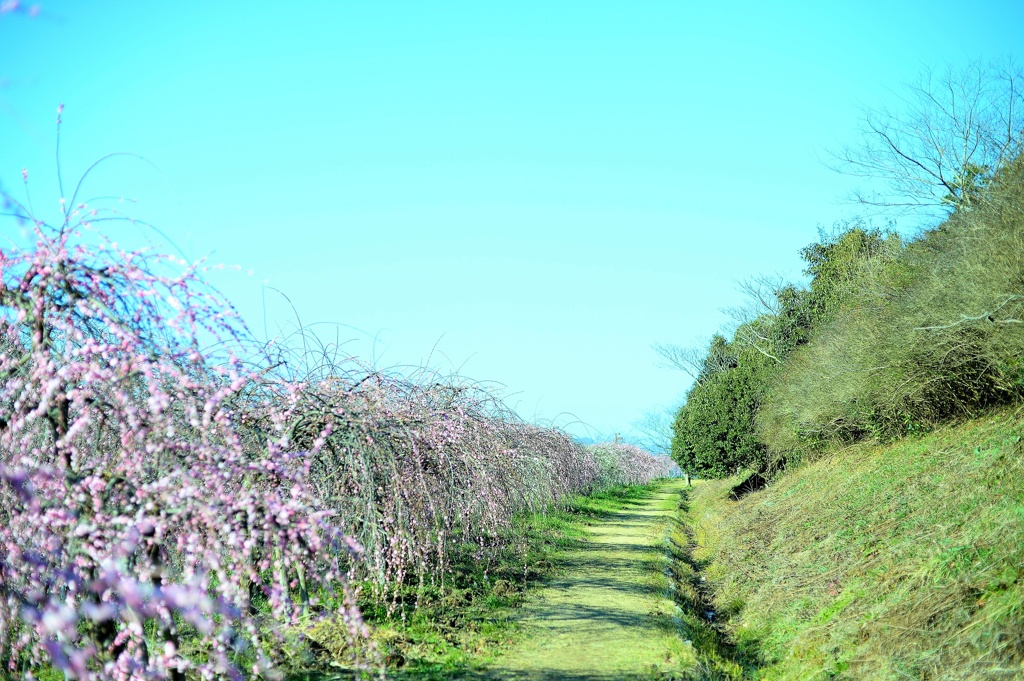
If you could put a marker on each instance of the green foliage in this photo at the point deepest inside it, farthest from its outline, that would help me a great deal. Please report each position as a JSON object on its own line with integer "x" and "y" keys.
{"x": 890, "y": 338}
{"x": 836, "y": 265}
{"x": 912, "y": 336}
{"x": 791, "y": 327}
{"x": 968, "y": 186}
{"x": 721, "y": 356}
{"x": 713, "y": 434}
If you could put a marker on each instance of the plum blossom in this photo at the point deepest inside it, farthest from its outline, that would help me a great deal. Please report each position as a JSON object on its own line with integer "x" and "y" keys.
{"x": 163, "y": 477}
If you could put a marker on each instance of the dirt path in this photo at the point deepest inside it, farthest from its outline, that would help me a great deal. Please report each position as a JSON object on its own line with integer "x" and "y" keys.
{"x": 609, "y": 615}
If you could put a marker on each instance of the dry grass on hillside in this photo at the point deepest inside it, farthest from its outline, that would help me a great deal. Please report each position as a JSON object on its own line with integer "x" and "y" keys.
{"x": 897, "y": 562}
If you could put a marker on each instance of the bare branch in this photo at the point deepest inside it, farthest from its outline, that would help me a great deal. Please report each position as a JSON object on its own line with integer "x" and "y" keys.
{"x": 984, "y": 316}
{"x": 687, "y": 359}
{"x": 954, "y": 131}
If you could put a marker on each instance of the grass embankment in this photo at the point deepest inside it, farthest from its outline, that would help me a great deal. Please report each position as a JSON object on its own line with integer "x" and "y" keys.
{"x": 903, "y": 561}
{"x": 460, "y": 629}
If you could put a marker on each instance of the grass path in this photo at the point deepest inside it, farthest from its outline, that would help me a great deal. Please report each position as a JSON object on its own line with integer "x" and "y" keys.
{"x": 609, "y": 615}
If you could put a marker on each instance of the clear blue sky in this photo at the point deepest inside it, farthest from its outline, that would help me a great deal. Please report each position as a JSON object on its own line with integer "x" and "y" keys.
{"x": 541, "y": 190}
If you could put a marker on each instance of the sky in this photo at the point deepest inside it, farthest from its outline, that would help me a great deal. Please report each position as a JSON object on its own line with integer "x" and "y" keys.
{"x": 530, "y": 193}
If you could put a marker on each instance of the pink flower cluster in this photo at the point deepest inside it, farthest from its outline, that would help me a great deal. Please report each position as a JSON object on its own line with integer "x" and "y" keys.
{"x": 417, "y": 469}
{"x": 625, "y": 464}
{"x": 175, "y": 502}
{"x": 12, "y": 6}
{"x": 145, "y": 530}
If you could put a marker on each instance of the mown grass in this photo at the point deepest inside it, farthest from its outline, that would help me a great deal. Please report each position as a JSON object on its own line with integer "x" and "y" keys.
{"x": 443, "y": 633}
{"x": 609, "y": 614}
{"x": 903, "y": 561}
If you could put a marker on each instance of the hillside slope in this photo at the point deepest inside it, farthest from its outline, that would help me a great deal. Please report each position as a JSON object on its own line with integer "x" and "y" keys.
{"x": 878, "y": 562}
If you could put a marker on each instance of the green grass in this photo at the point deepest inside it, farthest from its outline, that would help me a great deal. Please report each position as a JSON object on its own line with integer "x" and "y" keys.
{"x": 609, "y": 615}
{"x": 458, "y": 629}
{"x": 703, "y": 621}
{"x": 903, "y": 561}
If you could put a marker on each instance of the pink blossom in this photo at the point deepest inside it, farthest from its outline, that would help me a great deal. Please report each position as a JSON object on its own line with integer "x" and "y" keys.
{"x": 158, "y": 466}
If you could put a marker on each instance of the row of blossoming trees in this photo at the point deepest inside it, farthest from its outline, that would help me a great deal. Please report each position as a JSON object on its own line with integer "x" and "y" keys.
{"x": 175, "y": 501}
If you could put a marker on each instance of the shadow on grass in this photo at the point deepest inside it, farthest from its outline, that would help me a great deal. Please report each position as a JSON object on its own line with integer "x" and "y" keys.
{"x": 534, "y": 675}
{"x": 433, "y": 643}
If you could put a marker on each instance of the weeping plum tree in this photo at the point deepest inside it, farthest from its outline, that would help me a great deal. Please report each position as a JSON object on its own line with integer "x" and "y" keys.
{"x": 135, "y": 509}
{"x": 421, "y": 469}
{"x": 166, "y": 508}
{"x": 169, "y": 509}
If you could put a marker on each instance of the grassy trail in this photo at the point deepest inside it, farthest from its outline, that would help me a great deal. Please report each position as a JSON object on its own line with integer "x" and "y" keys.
{"x": 609, "y": 615}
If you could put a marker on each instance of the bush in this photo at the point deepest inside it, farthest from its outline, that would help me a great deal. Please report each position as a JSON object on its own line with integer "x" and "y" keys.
{"x": 928, "y": 334}
{"x": 416, "y": 469}
{"x": 713, "y": 433}
{"x": 717, "y": 433}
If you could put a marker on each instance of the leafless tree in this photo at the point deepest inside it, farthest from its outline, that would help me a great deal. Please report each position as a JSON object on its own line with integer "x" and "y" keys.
{"x": 686, "y": 358}
{"x": 935, "y": 152}
{"x": 748, "y": 325}
{"x": 654, "y": 430}
{"x": 751, "y": 320}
